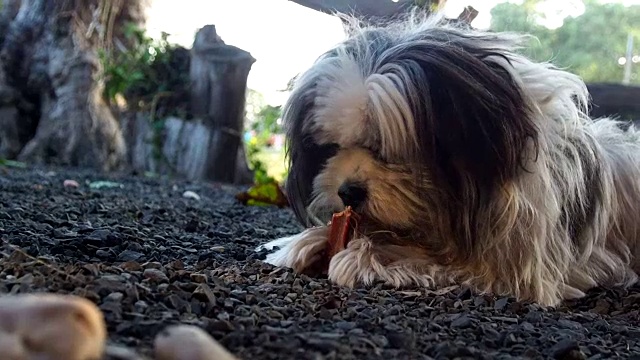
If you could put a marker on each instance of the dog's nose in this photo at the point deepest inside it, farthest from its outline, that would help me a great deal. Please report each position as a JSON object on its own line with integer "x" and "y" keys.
{"x": 352, "y": 194}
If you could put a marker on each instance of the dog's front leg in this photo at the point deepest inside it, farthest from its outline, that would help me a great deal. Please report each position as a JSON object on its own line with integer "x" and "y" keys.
{"x": 301, "y": 252}
{"x": 365, "y": 262}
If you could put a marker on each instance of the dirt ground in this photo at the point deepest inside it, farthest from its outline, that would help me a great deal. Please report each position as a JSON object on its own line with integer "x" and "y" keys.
{"x": 150, "y": 257}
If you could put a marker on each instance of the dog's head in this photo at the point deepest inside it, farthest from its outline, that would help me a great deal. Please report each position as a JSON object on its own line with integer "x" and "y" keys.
{"x": 416, "y": 125}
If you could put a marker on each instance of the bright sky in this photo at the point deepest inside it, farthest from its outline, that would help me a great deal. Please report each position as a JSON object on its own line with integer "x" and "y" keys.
{"x": 285, "y": 38}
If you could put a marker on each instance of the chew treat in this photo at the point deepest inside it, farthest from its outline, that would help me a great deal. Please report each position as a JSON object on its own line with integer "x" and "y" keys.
{"x": 188, "y": 342}
{"x": 50, "y": 326}
{"x": 342, "y": 227}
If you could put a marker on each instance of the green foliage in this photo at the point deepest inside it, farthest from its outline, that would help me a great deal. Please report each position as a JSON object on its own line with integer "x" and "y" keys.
{"x": 12, "y": 163}
{"x": 267, "y": 122}
{"x": 265, "y": 125}
{"x": 265, "y": 194}
{"x": 430, "y": 5}
{"x": 260, "y": 171}
{"x": 124, "y": 70}
{"x": 151, "y": 75}
{"x": 263, "y": 120}
{"x": 588, "y": 45}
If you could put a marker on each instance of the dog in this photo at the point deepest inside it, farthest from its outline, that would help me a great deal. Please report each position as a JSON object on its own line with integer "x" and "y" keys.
{"x": 468, "y": 163}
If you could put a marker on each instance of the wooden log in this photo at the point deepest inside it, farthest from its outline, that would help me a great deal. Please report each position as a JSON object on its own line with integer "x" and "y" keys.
{"x": 218, "y": 74}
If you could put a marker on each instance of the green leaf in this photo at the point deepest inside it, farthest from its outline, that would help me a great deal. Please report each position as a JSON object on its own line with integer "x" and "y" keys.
{"x": 264, "y": 194}
{"x": 104, "y": 184}
{"x": 12, "y": 163}
{"x": 136, "y": 75}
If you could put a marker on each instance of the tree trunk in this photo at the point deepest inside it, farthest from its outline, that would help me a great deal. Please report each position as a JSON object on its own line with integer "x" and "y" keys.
{"x": 218, "y": 75}
{"x": 50, "y": 68}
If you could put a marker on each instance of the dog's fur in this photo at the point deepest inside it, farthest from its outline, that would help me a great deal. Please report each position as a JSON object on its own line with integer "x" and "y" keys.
{"x": 480, "y": 166}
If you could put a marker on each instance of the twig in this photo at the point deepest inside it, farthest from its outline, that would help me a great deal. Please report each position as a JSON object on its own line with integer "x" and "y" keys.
{"x": 36, "y": 260}
{"x": 113, "y": 14}
{"x": 154, "y": 103}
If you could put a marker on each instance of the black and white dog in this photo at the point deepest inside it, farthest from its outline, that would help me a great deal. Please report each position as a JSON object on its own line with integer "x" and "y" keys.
{"x": 468, "y": 162}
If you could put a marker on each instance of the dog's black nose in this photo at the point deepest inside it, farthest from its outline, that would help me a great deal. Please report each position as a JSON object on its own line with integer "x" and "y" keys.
{"x": 352, "y": 194}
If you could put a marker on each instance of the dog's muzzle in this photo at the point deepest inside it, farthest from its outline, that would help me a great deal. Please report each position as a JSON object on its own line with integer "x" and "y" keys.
{"x": 353, "y": 194}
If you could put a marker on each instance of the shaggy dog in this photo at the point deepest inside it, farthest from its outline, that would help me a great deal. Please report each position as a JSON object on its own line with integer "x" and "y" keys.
{"x": 468, "y": 163}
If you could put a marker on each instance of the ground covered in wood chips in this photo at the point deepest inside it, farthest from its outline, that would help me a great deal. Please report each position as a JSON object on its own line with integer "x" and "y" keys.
{"x": 150, "y": 257}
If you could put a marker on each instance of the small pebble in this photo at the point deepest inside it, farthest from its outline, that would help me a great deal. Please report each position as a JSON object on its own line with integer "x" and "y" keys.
{"x": 198, "y": 278}
{"x": 568, "y": 324}
{"x": 114, "y": 297}
{"x": 141, "y": 306}
{"x": 501, "y": 303}
{"x": 155, "y": 275}
{"x": 190, "y": 195}
{"x": 129, "y": 255}
{"x": 152, "y": 265}
{"x": 461, "y": 322}
{"x": 70, "y": 183}
{"x": 102, "y": 253}
{"x": 567, "y": 349}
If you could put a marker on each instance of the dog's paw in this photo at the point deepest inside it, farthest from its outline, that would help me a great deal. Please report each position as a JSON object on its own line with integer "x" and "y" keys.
{"x": 279, "y": 243}
{"x": 50, "y": 326}
{"x": 362, "y": 263}
{"x": 299, "y": 252}
{"x": 571, "y": 293}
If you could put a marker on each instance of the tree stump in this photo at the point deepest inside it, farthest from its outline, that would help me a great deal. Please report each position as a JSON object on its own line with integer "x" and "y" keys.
{"x": 48, "y": 53}
{"x": 218, "y": 75}
{"x": 207, "y": 144}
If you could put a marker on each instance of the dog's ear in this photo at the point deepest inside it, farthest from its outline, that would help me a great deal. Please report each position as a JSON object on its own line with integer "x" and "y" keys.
{"x": 473, "y": 122}
{"x": 306, "y": 160}
{"x": 305, "y": 157}
{"x": 473, "y": 119}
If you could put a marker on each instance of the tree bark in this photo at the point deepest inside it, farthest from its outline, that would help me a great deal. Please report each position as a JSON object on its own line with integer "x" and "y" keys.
{"x": 49, "y": 64}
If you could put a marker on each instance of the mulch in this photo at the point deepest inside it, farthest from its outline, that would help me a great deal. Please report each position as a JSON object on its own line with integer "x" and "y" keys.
{"x": 150, "y": 257}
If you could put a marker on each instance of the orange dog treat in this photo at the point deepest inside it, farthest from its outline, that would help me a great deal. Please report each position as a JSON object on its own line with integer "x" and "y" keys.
{"x": 342, "y": 227}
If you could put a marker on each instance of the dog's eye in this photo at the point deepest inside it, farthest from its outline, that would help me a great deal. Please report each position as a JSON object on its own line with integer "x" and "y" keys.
{"x": 376, "y": 154}
{"x": 327, "y": 151}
